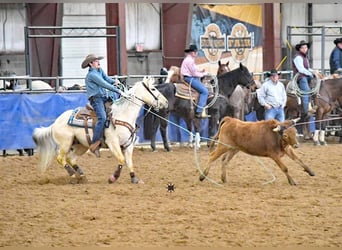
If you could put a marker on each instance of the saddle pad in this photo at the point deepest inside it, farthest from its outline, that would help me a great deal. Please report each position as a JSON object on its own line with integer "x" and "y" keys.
{"x": 73, "y": 121}
{"x": 182, "y": 91}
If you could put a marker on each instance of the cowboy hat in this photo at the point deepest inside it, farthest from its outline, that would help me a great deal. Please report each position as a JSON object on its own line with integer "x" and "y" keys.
{"x": 301, "y": 43}
{"x": 273, "y": 72}
{"x": 90, "y": 58}
{"x": 338, "y": 40}
{"x": 191, "y": 48}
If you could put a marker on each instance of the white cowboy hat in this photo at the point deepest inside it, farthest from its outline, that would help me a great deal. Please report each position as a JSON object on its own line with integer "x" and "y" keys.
{"x": 90, "y": 58}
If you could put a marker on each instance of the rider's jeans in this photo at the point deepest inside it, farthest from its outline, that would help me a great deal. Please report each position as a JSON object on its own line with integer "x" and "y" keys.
{"x": 304, "y": 86}
{"x": 98, "y": 104}
{"x": 275, "y": 113}
{"x": 203, "y": 91}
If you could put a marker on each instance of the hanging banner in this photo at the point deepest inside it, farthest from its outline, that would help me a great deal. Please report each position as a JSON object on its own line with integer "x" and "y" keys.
{"x": 228, "y": 33}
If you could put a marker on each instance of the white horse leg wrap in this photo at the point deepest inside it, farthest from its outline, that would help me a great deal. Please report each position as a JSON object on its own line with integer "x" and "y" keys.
{"x": 197, "y": 140}
{"x": 322, "y": 135}
{"x": 315, "y": 137}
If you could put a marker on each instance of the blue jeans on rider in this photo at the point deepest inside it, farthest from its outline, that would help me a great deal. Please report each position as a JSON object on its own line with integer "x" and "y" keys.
{"x": 275, "y": 113}
{"x": 203, "y": 91}
{"x": 304, "y": 86}
{"x": 98, "y": 104}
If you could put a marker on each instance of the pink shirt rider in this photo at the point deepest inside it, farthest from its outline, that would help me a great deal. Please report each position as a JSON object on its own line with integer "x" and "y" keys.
{"x": 188, "y": 67}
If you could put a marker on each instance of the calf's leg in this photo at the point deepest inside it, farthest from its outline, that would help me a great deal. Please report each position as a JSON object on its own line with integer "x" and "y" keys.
{"x": 284, "y": 169}
{"x": 290, "y": 153}
{"x": 225, "y": 159}
{"x": 220, "y": 150}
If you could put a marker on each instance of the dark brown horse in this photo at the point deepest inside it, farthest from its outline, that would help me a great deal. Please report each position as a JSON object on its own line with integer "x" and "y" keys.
{"x": 234, "y": 105}
{"x": 184, "y": 107}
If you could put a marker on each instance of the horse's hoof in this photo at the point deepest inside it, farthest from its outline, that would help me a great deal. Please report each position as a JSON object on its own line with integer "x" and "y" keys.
{"x": 316, "y": 143}
{"x": 73, "y": 179}
{"x": 111, "y": 179}
{"x": 202, "y": 177}
{"x": 135, "y": 180}
{"x": 323, "y": 143}
{"x": 82, "y": 179}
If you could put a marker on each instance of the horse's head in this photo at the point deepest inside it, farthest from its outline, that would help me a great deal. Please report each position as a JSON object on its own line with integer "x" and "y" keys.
{"x": 146, "y": 92}
{"x": 222, "y": 68}
{"x": 246, "y": 78}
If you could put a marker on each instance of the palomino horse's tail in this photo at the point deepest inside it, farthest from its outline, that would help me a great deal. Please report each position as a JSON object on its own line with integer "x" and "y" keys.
{"x": 216, "y": 136}
{"x": 46, "y": 146}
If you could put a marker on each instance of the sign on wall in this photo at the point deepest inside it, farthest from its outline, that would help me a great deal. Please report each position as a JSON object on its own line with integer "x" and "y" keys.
{"x": 228, "y": 33}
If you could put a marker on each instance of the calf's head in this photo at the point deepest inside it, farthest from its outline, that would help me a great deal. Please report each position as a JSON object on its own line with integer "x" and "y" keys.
{"x": 288, "y": 133}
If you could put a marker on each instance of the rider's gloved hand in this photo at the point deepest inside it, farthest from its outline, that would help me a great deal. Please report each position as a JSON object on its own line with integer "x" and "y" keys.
{"x": 124, "y": 94}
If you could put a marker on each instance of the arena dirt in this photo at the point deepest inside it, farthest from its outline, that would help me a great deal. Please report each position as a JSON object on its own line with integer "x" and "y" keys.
{"x": 45, "y": 210}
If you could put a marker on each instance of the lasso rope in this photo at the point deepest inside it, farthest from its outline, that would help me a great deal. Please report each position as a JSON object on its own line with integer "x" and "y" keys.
{"x": 300, "y": 92}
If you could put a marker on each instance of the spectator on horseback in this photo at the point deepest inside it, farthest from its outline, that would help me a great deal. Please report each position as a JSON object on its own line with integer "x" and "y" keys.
{"x": 272, "y": 96}
{"x": 97, "y": 81}
{"x": 335, "y": 60}
{"x": 301, "y": 66}
{"x": 192, "y": 76}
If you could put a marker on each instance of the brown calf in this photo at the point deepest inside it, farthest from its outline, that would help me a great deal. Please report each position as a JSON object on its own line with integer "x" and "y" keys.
{"x": 269, "y": 138}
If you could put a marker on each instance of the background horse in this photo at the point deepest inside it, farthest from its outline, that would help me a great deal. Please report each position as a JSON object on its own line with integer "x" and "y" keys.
{"x": 182, "y": 107}
{"x": 328, "y": 98}
{"x": 233, "y": 99}
{"x": 71, "y": 141}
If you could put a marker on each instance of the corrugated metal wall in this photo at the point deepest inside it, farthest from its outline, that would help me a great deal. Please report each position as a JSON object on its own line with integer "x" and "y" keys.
{"x": 74, "y": 50}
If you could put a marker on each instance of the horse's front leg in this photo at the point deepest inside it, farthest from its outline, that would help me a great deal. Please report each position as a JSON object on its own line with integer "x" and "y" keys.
{"x": 128, "y": 152}
{"x": 155, "y": 125}
{"x": 163, "y": 132}
{"x": 124, "y": 158}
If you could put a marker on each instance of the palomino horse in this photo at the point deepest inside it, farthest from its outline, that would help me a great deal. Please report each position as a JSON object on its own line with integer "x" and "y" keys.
{"x": 68, "y": 142}
{"x": 328, "y": 98}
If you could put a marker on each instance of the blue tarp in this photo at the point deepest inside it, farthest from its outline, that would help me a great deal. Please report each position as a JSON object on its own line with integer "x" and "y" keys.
{"x": 21, "y": 113}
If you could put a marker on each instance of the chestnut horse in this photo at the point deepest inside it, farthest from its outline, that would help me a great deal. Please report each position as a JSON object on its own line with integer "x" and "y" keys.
{"x": 328, "y": 98}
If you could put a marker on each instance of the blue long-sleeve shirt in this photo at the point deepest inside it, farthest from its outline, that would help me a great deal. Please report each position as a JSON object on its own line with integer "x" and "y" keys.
{"x": 97, "y": 81}
{"x": 335, "y": 60}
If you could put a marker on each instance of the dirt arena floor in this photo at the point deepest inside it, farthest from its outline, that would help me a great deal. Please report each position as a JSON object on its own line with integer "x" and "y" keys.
{"x": 45, "y": 210}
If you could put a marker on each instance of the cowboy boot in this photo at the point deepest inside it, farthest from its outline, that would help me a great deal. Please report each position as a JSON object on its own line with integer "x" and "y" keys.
{"x": 95, "y": 148}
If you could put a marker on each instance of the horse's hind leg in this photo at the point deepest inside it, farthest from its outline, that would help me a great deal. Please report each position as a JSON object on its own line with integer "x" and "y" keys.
{"x": 62, "y": 160}
{"x": 76, "y": 150}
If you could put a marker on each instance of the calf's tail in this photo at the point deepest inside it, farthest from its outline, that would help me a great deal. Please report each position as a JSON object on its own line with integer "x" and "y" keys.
{"x": 216, "y": 136}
